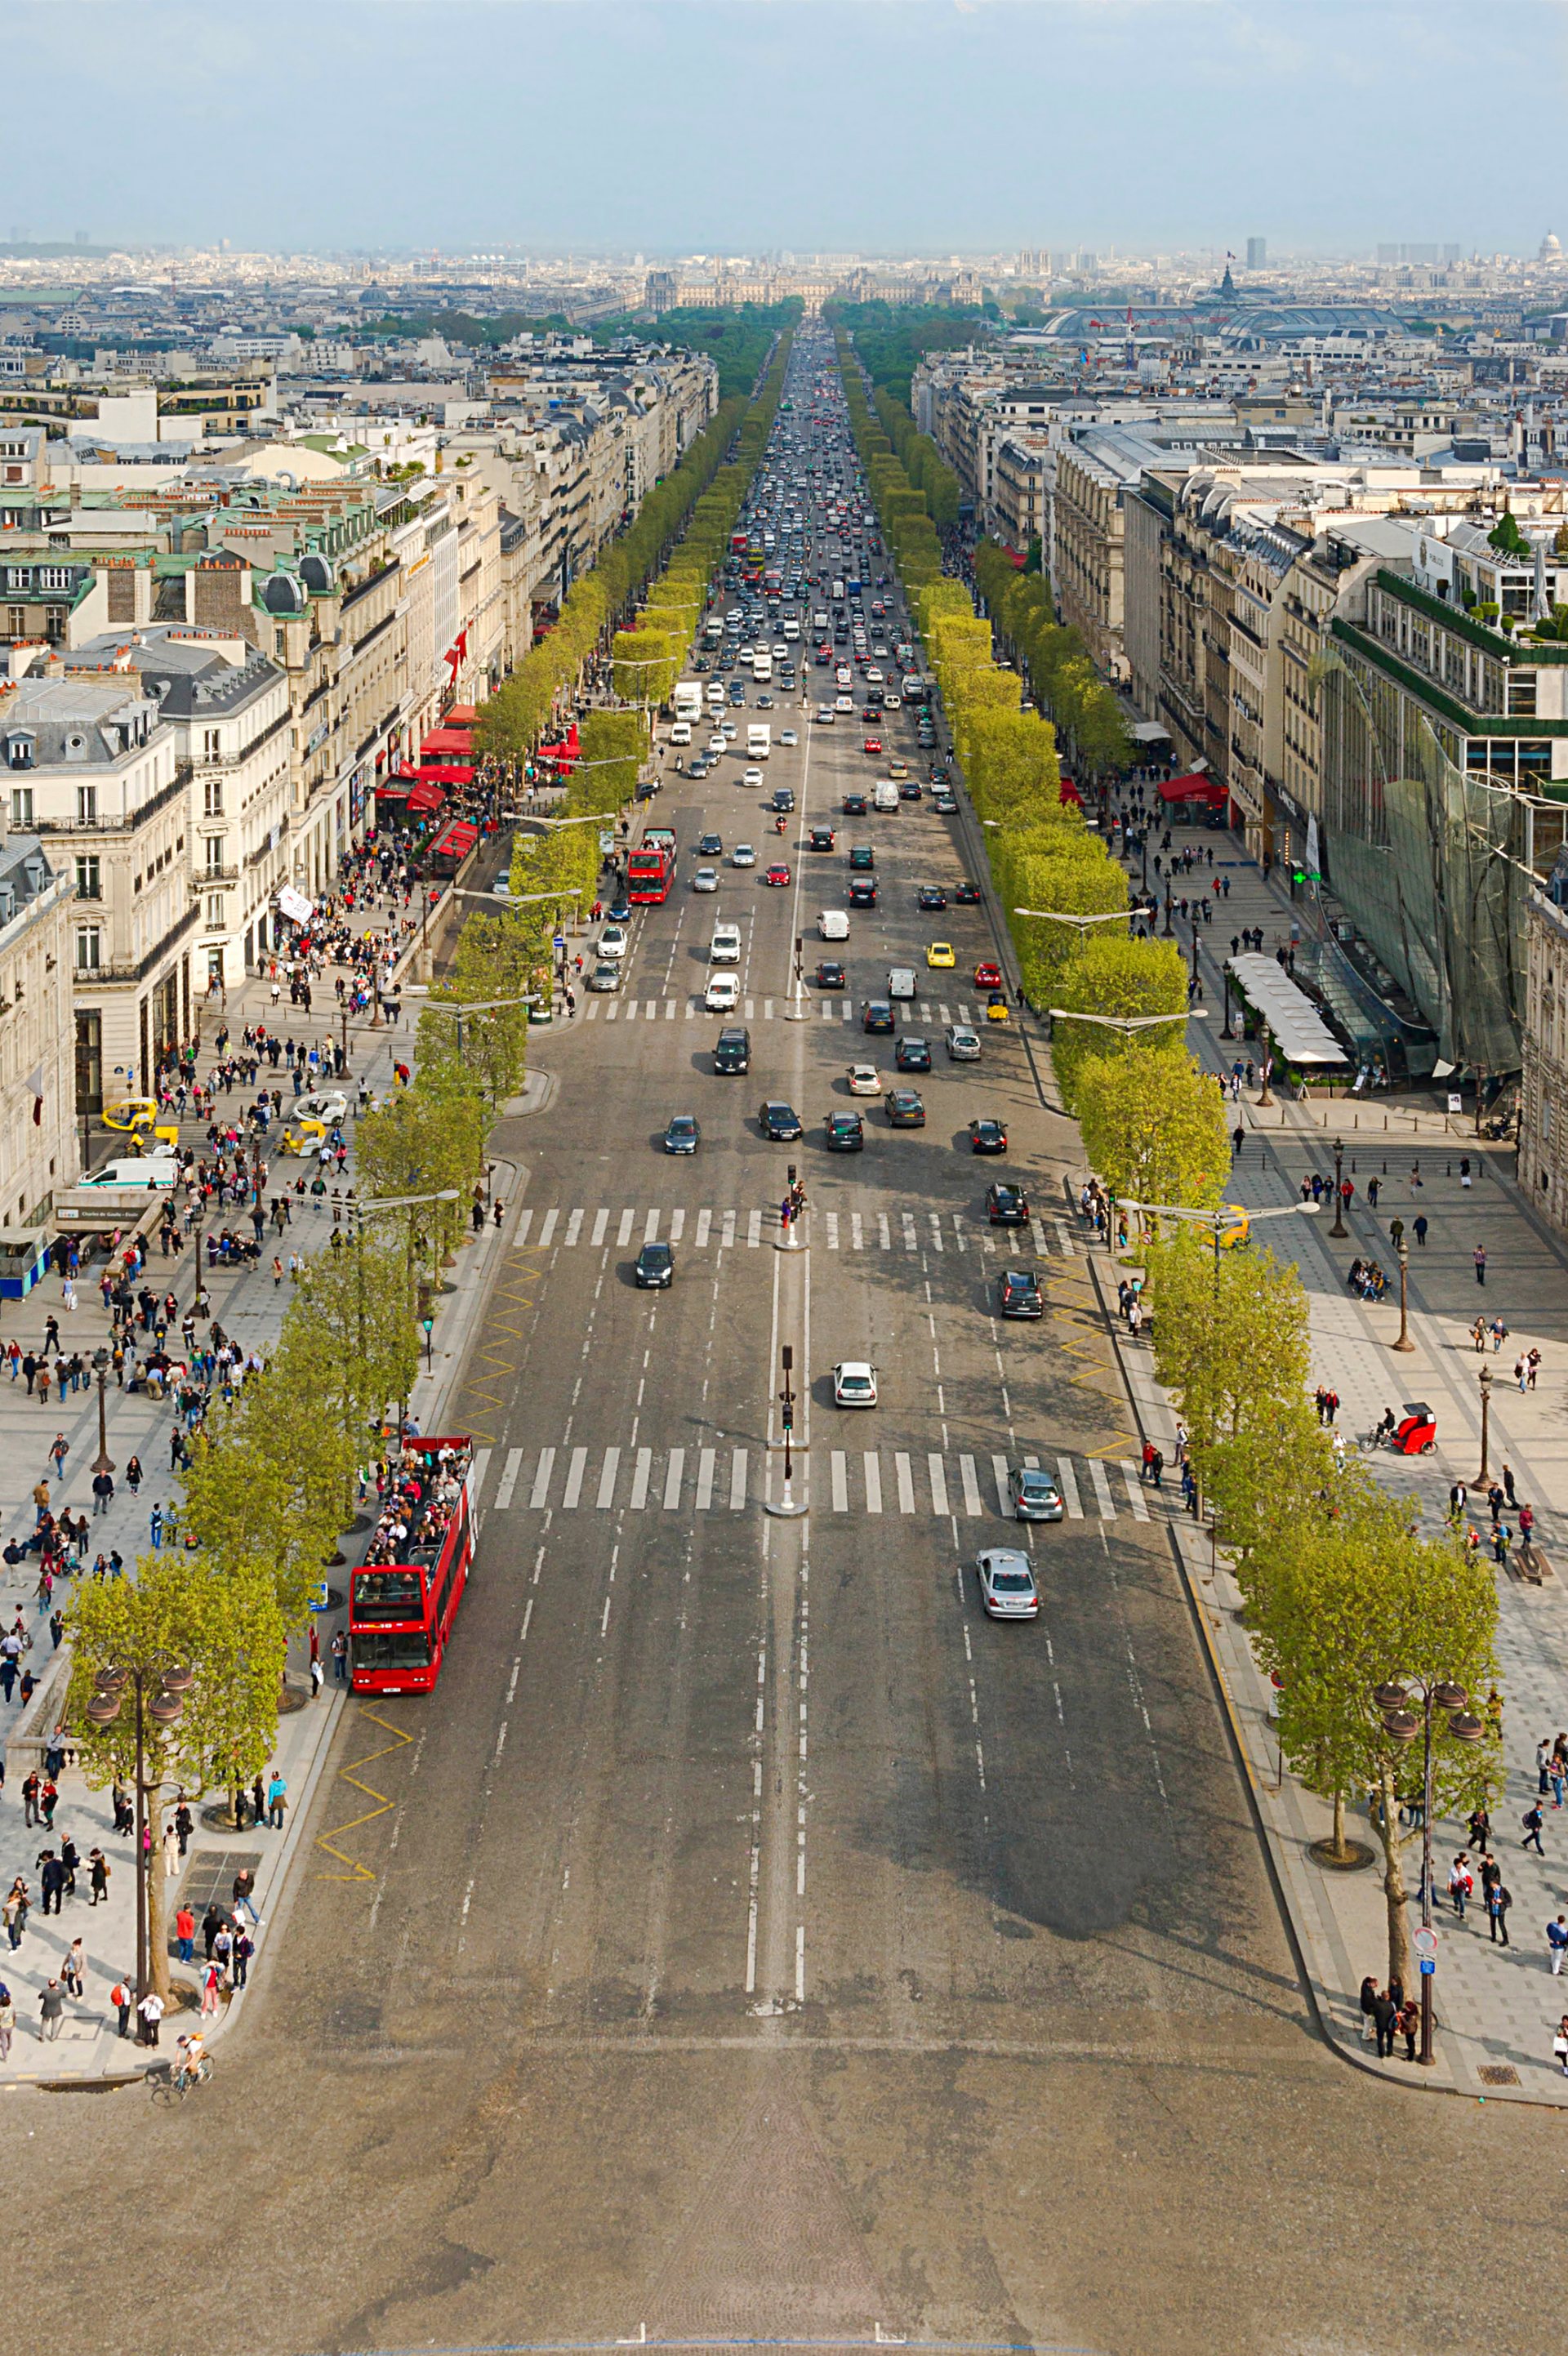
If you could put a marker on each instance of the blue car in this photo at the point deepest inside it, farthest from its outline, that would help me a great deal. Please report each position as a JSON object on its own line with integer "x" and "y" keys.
{"x": 683, "y": 1134}
{"x": 620, "y": 910}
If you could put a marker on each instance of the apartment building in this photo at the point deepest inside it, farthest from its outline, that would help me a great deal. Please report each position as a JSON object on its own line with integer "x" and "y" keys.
{"x": 93, "y": 770}
{"x": 1543, "y": 1095}
{"x": 37, "y": 1127}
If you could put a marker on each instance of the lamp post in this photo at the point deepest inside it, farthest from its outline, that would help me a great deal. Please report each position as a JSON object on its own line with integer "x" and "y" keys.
{"x": 1405, "y": 1342}
{"x": 1194, "y": 980}
{"x": 1265, "y": 1095}
{"x": 1400, "y": 1721}
{"x": 1485, "y": 1472}
{"x": 156, "y": 1684}
{"x": 1338, "y": 1228}
{"x": 102, "y": 1462}
{"x": 1225, "y": 976}
{"x": 1170, "y": 904}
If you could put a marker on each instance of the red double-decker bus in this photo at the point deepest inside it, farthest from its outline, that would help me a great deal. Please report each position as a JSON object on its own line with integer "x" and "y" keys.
{"x": 403, "y": 1604}
{"x": 649, "y": 872}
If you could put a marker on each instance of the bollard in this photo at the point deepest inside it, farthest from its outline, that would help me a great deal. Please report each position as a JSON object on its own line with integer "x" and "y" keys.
{"x": 1385, "y": 1166}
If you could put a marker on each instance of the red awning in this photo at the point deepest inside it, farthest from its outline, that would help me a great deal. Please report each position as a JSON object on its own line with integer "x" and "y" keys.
{"x": 456, "y": 839}
{"x": 447, "y": 739}
{"x": 1195, "y": 787}
{"x": 391, "y": 790}
{"x": 445, "y": 772}
{"x": 425, "y": 797}
{"x": 462, "y": 715}
{"x": 1067, "y": 793}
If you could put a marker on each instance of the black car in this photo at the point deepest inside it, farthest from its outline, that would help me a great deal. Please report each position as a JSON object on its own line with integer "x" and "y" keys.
{"x": 987, "y": 1137}
{"x": 830, "y": 974}
{"x": 854, "y": 805}
{"x": 967, "y": 895}
{"x": 861, "y": 857}
{"x": 863, "y": 891}
{"x": 909, "y": 791}
{"x": 783, "y": 800}
{"x": 878, "y": 1014}
{"x": 780, "y": 1122}
{"x": 931, "y": 896}
{"x": 1018, "y": 1293}
{"x": 844, "y": 1132}
{"x": 655, "y": 1269}
{"x": 710, "y": 846}
{"x": 1006, "y": 1206}
{"x": 906, "y": 1108}
{"x": 912, "y": 1055}
{"x": 732, "y": 1049}
{"x": 820, "y": 838}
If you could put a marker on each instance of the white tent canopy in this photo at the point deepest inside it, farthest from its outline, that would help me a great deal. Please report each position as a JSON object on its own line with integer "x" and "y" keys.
{"x": 1298, "y": 1030}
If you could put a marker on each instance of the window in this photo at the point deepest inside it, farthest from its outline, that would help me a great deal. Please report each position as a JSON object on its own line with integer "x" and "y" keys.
{"x": 22, "y": 805}
{"x": 215, "y": 911}
{"x": 88, "y": 883}
{"x": 54, "y": 576}
{"x": 211, "y": 744}
{"x": 212, "y": 797}
{"x": 19, "y": 752}
{"x": 89, "y": 1063}
{"x": 89, "y": 945}
{"x": 87, "y": 805}
{"x": 16, "y": 621}
{"x": 54, "y": 623}
{"x": 215, "y": 846}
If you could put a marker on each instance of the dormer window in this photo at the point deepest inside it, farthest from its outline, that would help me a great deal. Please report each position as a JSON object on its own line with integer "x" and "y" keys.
{"x": 19, "y": 752}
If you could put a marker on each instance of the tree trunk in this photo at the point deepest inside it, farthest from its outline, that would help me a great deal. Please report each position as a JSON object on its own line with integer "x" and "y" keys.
{"x": 1339, "y": 1842}
{"x": 1394, "y": 1891}
{"x": 158, "y": 1928}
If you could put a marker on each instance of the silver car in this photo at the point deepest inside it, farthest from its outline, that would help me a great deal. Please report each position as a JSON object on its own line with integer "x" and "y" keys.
{"x": 1007, "y": 1588}
{"x": 963, "y": 1045}
{"x": 1034, "y": 1495}
{"x": 605, "y": 977}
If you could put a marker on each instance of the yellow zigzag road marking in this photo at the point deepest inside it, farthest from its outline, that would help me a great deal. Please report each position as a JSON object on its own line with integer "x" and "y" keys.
{"x": 357, "y": 1872}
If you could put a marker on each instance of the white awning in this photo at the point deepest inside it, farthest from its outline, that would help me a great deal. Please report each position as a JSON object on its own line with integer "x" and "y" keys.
{"x": 1148, "y": 732}
{"x": 1298, "y": 1030}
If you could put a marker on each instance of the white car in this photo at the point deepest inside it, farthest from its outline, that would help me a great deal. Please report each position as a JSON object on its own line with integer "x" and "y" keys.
{"x": 680, "y": 733}
{"x": 825, "y": 715}
{"x": 753, "y": 777}
{"x": 788, "y": 737}
{"x": 854, "y": 1384}
{"x": 613, "y": 941}
{"x": 706, "y": 879}
{"x": 724, "y": 947}
{"x": 963, "y": 1043}
{"x": 892, "y": 703}
{"x": 718, "y": 744}
{"x": 865, "y": 1080}
{"x": 729, "y": 732}
{"x": 723, "y": 993}
{"x": 743, "y": 855}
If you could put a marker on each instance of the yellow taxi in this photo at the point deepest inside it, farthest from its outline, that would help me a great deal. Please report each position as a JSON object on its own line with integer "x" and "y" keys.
{"x": 1237, "y": 1227}
{"x": 940, "y": 953}
{"x": 303, "y": 1137}
{"x": 139, "y": 1116}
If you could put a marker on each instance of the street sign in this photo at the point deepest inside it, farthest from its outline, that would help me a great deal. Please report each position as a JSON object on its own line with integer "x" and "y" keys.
{"x": 1424, "y": 1941}
{"x": 1427, "y": 1967}
{"x": 559, "y": 942}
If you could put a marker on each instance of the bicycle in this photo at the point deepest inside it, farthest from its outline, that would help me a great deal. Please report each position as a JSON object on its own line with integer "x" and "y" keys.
{"x": 181, "y": 2077}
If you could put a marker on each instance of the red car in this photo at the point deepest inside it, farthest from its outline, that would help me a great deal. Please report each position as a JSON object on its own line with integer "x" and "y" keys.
{"x": 873, "y": 745}
{"x": 988, "y": 977}
{"x": 777, "y": 875}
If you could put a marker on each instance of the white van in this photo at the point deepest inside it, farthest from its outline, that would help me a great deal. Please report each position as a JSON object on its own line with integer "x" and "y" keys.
{"x": 833, "y": 925}
{"x": 680, "y": 733}
{"x": 724, "y": 947}
{"x": 901, "y": 981}
{"x": 159, "y": 1171}
{"x": 884, "y": 796}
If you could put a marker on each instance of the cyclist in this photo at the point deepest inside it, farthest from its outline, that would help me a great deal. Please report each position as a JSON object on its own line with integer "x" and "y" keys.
{"x": 193, "y": 2055}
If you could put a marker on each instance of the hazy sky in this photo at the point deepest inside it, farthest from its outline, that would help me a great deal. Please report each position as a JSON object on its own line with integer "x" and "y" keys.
{"x": 877, "y": 125}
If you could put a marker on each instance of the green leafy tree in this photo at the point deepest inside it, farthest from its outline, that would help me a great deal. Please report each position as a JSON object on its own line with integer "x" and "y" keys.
{"x": 1116, "y": 977}
{"x": 1152, "y": 1126}
{"x": 352, "y": 1323}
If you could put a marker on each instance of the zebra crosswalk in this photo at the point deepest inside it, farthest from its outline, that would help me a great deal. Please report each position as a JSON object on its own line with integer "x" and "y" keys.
{"x": 869, "y": 1481}
{"x": 908, "y": 1229}
{"x": 630, "y": 1007}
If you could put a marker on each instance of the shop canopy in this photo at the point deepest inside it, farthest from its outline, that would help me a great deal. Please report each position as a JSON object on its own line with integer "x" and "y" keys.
{"x": 456, "y": 839}
{"x": 565, "y": 753}
{"x": 393, "y": 789}
{"x": 462, "y": 715}
{"x": 1297, "y": 1028}
{"x": 424, "y": 798}
{"x": 445, "y": 772}
{"x": 1195, "y": 787}
{"x": 447, "y": 740}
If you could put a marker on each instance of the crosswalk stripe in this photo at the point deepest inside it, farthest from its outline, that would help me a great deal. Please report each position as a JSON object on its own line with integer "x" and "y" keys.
{"x": 939, "y": 1483}
{"x": 510, "y": 1471}
{"x": 623, "y": 1233}
{"x": 630, "y": 1010}
{"x": 963, "y": 1014}
{"x": 911, "y": 1242}
{"x": 944, "y": 1014}
{"x": 936, "y": 1231}
{"x": 972, "y": 1503}
{"x": 1040, "y": 1235}
{"x": 592, "y": 1012}
{"x": 839, "y": 1467}
{"x": 883, "y": 1232}
{"x": 1068, "y": 1480}
{"x": 677, "y": 1225}
{"x": 481, "y": 1471}
{"x": 653, "y": 1010}
{"x": 606, "y": 1496}
{"x": 574, "y": 1226}
{"x": 738, "y": 1481}
{"x": 650, "y": 1225}
{"x": 960, "y": 1239}
{"x": 1069, "y": 1249}
{"x": 673, "y": 1475}
{"x": 925, "y": 1010}
{"x": 612, "y": 1009}
{"x": 1101, "y": 1490}
{"x": 827, "y": 1010}
{"x": 727, "y": 1238}
{"x": 601, "y": 1221}
{"x": 768, "y": 1010}
{"x": 670, "y": 1009}
{"x": 705, "y": 1221}
{"x": 548, "y": 1227}
{"x": 640, "y": 1471}
{"x": 906, "y": 1484}
{"x": 872, "y": 1482}
{"x": 1134, "y": 1492}
{"x": 574, "y": 1472}
{"x": 832, "y": 1219}
{"x": 754, "y": 1229}
{"x": 542, "y": 1472}
{"x": 999, "y": 1474}
{"x": 849, "y": 1010}
{"x": 750, "y": 1009}
{"x": 856, "y": 1232}
{"x": 523, "y": 1224}
{"x": 706, "y": 1460}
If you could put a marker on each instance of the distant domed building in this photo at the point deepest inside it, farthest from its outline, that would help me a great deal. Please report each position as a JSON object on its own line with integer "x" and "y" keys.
{"x": 1551, "y": 249}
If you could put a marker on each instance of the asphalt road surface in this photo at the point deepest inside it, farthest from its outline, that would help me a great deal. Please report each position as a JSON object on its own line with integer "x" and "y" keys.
{"x": 752, "y": 1942}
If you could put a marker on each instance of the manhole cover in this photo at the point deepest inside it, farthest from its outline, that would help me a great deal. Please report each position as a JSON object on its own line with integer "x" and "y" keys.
{"x": 1497, "y": 2074}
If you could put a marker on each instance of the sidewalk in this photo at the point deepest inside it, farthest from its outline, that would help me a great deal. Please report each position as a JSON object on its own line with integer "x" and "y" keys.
{"x": 1496, "y": 2009}
{"x": 249, "y": 1308}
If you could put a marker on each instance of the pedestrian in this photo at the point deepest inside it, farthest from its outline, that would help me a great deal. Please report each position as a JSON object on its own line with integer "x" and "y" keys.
{"x": 211, "y": 1981}
{"x": 1409, "y": 2026}
{"x": 1418, "y": 1226}
{"x": 1533, "y": 1821}
{"x": 1369, "y": 1998}
{"x": 1479, "y": 1256}
{"x": 341, "y": 1641}
{"x": 244, "y": 1948}
{"x": 151, "y": 2009}
{"x": 1499, "y": 1900}
{"x": 1396, "y": 1230}
{"x": 171, "y": 1853}
{"x": 185, "y": 1933}
{"x": 133, "y": 1474}
{"x": 211, "y": 1924}
{"x": 1460, "y": 1883}
{"x": 98, "y": 1878}
{"x": 73, "y": 1964}
{"x": 1479, "y": 1828}
{"x": 1532, "y": 1361}
{"x": 1557, "y": 1944}
{"x": 182, "y": 1823}
{"x": 120, "y": 1997}
{"x": 277, "y": 1799}
{"x": 51, "y": 2007}
{"x": 1385, "y": 2018}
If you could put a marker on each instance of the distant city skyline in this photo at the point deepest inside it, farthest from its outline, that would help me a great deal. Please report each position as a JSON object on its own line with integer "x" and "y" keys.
{"x": 678, "y": 127}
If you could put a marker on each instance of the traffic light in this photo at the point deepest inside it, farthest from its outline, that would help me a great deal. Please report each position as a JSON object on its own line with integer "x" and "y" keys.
{"x": 787, "y": 1410}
